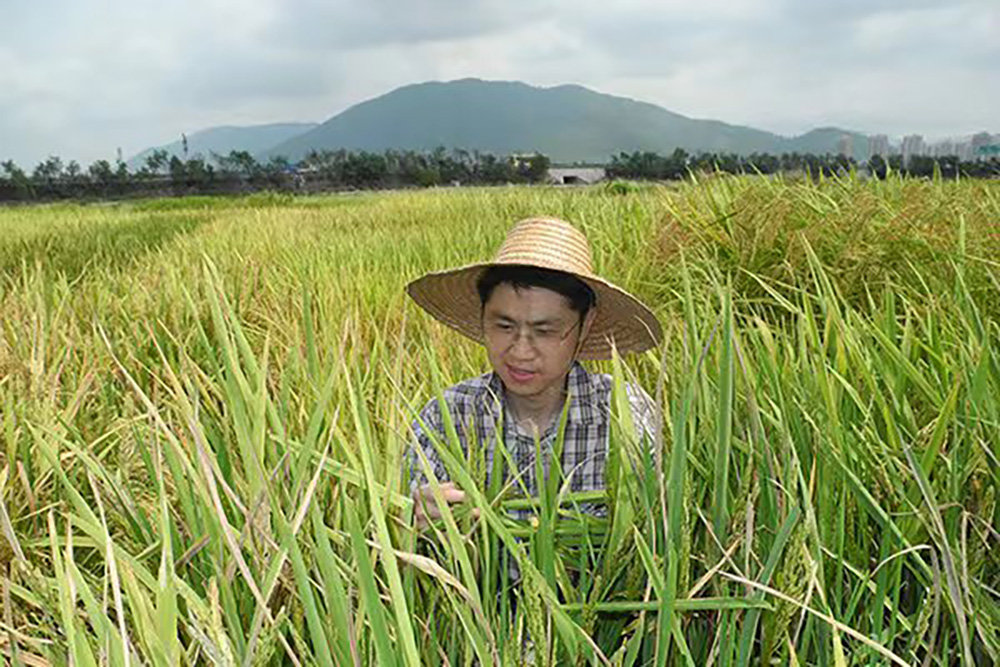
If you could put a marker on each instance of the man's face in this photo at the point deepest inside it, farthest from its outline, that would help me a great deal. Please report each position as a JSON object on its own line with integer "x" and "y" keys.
{"x": 531, "y": 336}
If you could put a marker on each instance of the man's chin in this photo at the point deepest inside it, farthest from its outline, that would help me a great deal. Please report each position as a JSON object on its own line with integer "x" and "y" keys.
{"x": 521, "y": 387}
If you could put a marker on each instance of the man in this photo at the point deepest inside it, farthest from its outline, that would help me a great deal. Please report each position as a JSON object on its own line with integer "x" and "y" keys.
{"x": 538, "y": 309}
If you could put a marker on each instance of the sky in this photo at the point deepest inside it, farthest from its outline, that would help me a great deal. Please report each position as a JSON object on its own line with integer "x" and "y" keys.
{"x": 81, "y": 79}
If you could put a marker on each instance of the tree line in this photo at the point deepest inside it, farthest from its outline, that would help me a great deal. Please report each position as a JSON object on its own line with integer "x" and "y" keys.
{"x": 239, "y": 171}
{"x": 648, "y": 165}
{"x": 162, "y": 174}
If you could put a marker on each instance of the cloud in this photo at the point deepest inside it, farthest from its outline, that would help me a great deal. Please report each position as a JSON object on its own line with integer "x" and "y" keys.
{"x": 132, "y": 74}
{"x": 321, "y": 25}
{"x": 874, "y": 66}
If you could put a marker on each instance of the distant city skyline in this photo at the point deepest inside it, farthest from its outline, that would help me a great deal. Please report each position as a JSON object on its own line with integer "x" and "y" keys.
{"x": 969, "y": 148}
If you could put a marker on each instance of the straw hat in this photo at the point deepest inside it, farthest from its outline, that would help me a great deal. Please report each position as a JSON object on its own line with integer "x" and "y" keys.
{"x": 452, "y": 298}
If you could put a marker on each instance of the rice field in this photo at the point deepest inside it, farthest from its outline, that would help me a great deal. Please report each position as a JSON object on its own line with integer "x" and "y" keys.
{"x": 204, "y": 407}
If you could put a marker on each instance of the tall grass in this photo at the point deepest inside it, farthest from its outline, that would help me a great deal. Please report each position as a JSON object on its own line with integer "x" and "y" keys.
{"x": 203, "y": 430}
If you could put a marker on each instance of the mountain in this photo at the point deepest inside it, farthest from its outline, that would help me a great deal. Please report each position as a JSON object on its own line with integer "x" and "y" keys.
{"x": 221, "y": 140}
{"x": 826, "y": 139}
{"x": 569, "y": 123}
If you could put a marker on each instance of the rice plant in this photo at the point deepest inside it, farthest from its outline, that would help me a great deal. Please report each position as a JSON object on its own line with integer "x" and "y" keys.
{"x": 204, "y": 408}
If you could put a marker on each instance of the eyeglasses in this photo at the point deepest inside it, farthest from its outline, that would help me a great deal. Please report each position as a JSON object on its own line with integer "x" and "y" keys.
{"x": 505, "y": 333}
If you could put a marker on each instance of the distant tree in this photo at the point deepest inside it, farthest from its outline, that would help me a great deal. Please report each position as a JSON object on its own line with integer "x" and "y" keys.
{"x": 413, "y": 168}
{"x": 329, "y": 165}
{"x": 841, "y": 164}
{"x": 365, "y": 170}
{"x": 449, "y": 167}
{"x": 425, "y": 169}
{"x": 534, "y": 169}
{"x": 156, "y": 162}
{"x": 178, "y": 173}
{"x": 444, "y": 166}
{"x": 729, "y": 163}
{"x": 463, "y": 158}
{"x": 278, "y": 163}
{"x": 122, "y": 176}
{"x": 19, "y": 181}
{"x": 100, "y": 172}
{"x": 101, "y": 175}
{"x": 10, "y": 168}
{"x": 242, "y": 164}
{"x": 989, "y": 168}
{"x": 949, "y": 166}
{"x": 48, "y": 171}
{"x": 763, "y": 163}
{"x": 73, "y": 171}
{"x": 793, "y": 161}
{"x": 677, "y": 164}
{"x": 277, "y": 170}
{"x": 921, "y": 165}
{"x": 650, "y": 165}
{"x": 491, "y": 170}
{"x": 877, "y": 167}
{"x": 198, "y": 173}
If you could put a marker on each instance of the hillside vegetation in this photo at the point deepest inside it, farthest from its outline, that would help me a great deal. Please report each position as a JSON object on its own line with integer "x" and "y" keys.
{"x": 567, "y": 123}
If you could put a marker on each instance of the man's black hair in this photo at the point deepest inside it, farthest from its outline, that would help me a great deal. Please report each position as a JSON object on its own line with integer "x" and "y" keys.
{"x": 579, "y": 294}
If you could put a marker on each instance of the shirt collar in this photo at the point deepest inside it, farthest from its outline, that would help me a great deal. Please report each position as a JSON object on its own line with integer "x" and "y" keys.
{"x": 584, "y": 401}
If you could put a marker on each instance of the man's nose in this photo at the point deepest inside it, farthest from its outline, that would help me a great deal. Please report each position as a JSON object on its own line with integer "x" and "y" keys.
{"x": 524, "y": 346}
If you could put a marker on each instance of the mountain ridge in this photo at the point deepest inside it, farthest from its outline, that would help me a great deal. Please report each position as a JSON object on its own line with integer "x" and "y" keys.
{"x": 222, "y": 139}
{"x": 567, "y": 122}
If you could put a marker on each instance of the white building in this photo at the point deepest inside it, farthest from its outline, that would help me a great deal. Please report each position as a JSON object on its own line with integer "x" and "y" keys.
{"x": 980, "y": 144}
{"x": 845, "y": 145}
{"x": 576, "y": 175}
{"x": 913, "y": 145}
{"x": 878, "y": 144}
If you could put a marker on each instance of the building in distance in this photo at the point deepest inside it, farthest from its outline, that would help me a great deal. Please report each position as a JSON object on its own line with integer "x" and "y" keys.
{"x": 984, "y": 145}
{"x": 878, "y": 144}
{"x": 576, "y": 175}
{"x": 913, "y": 145}
{"x": 845, "y": 145}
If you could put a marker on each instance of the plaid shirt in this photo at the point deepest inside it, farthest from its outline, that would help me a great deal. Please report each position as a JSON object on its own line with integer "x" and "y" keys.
{"x": 477, "y": 409}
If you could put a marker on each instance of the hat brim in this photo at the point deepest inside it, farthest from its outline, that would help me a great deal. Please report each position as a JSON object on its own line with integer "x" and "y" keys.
{"x": 621, "y": 320}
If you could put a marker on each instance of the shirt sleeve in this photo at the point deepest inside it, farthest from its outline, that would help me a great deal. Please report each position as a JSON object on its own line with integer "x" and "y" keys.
{"x": 425, "y": 428}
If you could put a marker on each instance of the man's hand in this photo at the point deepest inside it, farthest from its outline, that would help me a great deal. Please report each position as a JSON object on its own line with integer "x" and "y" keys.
{"x": 425, "y": 507}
